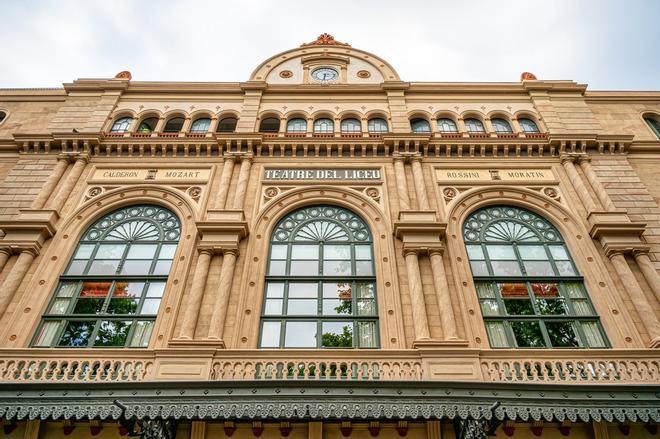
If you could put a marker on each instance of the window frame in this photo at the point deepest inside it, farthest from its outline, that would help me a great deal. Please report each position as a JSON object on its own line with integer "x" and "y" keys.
{"x": 500, "y": 122}
{"x": 351, "y": 120}
{"x": 523, "y": 125}
{"x": 470, "y": 121}
{"x": 193, "y": 130}
{"x": 292, "y": 128}
{"x": 441, "y": 121}
{"x": 371, "y": 125}
{"x": 417, "y": 122}
{"x": 652, "y": 121}
{"x": 124, "y": 120}
{"x": 326, "y": 123}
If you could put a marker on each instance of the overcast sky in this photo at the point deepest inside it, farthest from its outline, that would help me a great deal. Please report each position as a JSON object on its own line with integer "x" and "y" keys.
{"x": 610, "y": 45}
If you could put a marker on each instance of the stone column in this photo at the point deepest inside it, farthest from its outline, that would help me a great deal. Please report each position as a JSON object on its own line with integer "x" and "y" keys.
{"x": 243, "y": 178}
{"x": 577, "y": 183}
{"x": 592, "y": 178}
{"x": 5, "y": 254}
{"x": 515, "y": 125}
{"x": 447, "y": 318}
{"x": 420, "y": 320}
{"x": 461, "y": 125}
{"x": 51, "y": 183}
{"x": 644, "y": 309}
{"x": 364, "y": 126}
{"x": 401, "y": 183}
{"x": 214, "y": 125}
{"x": 194, "y": 302}
{"x": 217, "y": 325}
{"x": 14, "y": 278}
{"x": 69, "y": 182}
{"x": 225, "y": 180}
{"x": 420, "y": 185}
{"x": 160, "y": 125}
{"x": 187, "y": 122}
{"x": 647, "y": 268}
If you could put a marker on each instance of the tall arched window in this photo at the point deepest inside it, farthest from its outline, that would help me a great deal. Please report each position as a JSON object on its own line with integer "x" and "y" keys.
{"x": 110, "y": 292}
{"x": 420, "y": 126}
{"x": 377, "y": 125}
{"x": 653, "y": 122}
{"x": 296, "y": 126}
{"x": 269, "y": 125}
{"x": 530, "y": 292}
{"x": 501, "y": 125}
{"x": 121, "y": 125}
{"x": 324, "y": 126}
{"x": 447, "y": 126}
{"x": 148, "y": 125}
{"x": 474, "y": 125}
{"x": 528, "y": 125}
{"x": 351, "y": 126}
{"x": 174, "y": 125}
{"x": 320, "y": 289}
{"x": 200, "y": 125}
{"x": 228, "y": 125}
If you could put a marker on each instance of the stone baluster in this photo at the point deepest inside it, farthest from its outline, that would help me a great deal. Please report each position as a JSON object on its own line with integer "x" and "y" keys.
{"x": 577, "y": 183}
{"x": 592, "y": 178}
{"x": 5, "y": 254}
{"x": 69, "y": 182}
{"x": 225, "y": 180}
{"x": 217, "y": 324}
{"x": 420, "y": 185}
{"x": 634, "y": 291}
{"x": 418, "y": 304}
{"x": 648, "y": 270}
{"x": 447, "y": 318}
{"x": 51, "y": 183}
{"x": 243, "y": 178}
{"x": 401, "y": 183}
{"x": 196, "y": 295}
{"x": 15, "y": 277}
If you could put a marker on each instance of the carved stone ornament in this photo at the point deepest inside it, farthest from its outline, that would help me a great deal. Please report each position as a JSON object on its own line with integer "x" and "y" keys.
{"x": 124, "y": 75}
{"x": 363, "y": 74}
{"x": 325, "y": 39}
{"x": 94, "y": 191}
{"x": 286, "y": 74}
{"x": 551, "y": 192}
{"x": 527, "y": 76}
{"x": 373, "y": 193}
{"x": 449, "y": 193}
{"x": 195, "y": 192}
{"x": 271, "y": 192}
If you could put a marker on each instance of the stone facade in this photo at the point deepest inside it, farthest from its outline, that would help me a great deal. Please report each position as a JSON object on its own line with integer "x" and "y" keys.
{"x": 590, "y": 170}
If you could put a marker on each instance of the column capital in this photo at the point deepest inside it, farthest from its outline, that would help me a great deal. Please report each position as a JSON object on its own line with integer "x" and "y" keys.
{"x": 206, "y": 250}
{"x": 6, "y": 250}
{"x": 567, "y": 157}
{"x": 583, "y": 158}
{"x": 82, "y": 157}
{"x": 65, "y": 157}
{"x": 229, "y": 157}
{"x": 612, "y": 252}
{"x": 410, "y": 251}
{"x": 436, "y": 251}
{"x": 230, "y": 251}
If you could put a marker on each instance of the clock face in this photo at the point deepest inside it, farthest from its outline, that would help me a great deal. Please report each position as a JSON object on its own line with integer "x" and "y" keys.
{"x": 325, "y": 74}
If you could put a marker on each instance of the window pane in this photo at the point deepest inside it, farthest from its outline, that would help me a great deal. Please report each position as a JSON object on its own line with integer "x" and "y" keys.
{"x": 582, "y": 307}
{"x": 273, "y": 307}
{"x": 533, "y": 252}
{"x": 278, "y": 251}
{"x": 479, "y": 268}
{"x": 167, "y": 251}
{"x": 337, "y": 268}
{"x": 363, "y": 252}
{"x": 77, "y": 333}
{"x": 485, "y": 290}
{"x": 558, "y": 252}
{"x": 300, "y": 335}
{"x": 499, "y": 252}
{"x": 303, "y": 290}
{"x": 84, "y": 251}
{"x": 95, "y": 289}
{"x": 304, "y": 252}
{"x": 67, "y": 289}
{"x": 505, "y": 268}
{"x": 304, "y": 268}
{"x": 337, "y": 334}
{"x": 162, "y": 268}
{"x": 519, "y": 307}
{"x": 363, "y": 268}
{"x": 497, "y": 335}
{"x": 277, "y": 268}
{"x": 594, "y": 337}
{"x": 106, "y": 267}
{"x": 156, "y": 289}
{"x": 475, "y": 252}
{"x": 562, "y": 334}
{"x": 128, "y": 289}
{"x": 302, "y": 307}
{"x": 142, "y": 334}
{"x": 270, "y": 334}
{"x": 133, "y": 268}
{"x": 551, "y": 306}
{"x": 528, "y": 334}
{"x": 60, "y": 306}
{"x": 112, "y": 333}
{"x": 76, "y": 267}
{"x": 142, "y": 251}
{"x": 274, "y": 289}
{"x": 337, "y": 307}
{"x": 574, "y": 290}
{"x": 341, "y": 290}
{"x": 47, "y": 333}
{"x": 366, "y": 307}
{"x": 110, "y": 251}
{"x": 338, "y": 252}
{"x": 538, "y": 268}
{"x": 367, "y": 336}
{"x": 88, "y": 306}
{"x": 490, "y": 308}
{"x": 565, "y": 268}
{"x": 511, "y": 290}
{"x": 150, "y": 306}
{"x": 365, "y": 290}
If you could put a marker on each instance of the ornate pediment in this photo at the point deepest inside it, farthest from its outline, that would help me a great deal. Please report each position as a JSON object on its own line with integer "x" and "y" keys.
{"x": 325, "y": 39}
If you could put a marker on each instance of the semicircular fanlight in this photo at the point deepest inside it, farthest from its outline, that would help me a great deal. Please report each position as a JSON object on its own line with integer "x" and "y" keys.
{"x": 137, "y": 230}
{"x": 509, "y": 231}
{"x": 321, "y": 231}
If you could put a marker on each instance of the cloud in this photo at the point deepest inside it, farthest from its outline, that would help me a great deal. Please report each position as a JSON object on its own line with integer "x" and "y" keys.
{"x": 608, "y": 44}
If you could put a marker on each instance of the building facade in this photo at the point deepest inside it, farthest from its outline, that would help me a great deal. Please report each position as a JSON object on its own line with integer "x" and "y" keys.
{"x": 328, "y": 251}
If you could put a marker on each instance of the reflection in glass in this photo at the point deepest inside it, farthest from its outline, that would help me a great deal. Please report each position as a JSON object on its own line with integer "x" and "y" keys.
{"x": 300, "y": 335}
{"x": 337, "y": 334}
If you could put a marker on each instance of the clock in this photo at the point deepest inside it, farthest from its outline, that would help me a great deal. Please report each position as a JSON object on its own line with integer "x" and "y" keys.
{"x": 325, "y": 74}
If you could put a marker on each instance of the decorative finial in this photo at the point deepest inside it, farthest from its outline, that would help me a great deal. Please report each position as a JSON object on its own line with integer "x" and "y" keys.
{"x": 526, "y": 76}
{"x": 325, "y": 40}
{"x": 124, "y": 75}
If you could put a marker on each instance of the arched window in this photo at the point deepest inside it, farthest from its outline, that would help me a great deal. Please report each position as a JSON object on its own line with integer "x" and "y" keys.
{"x": 296, "y": 126}
{"x": 447, "y": 126}
{"x": 654, "y": 123}
{"x": 121, "y": 125}
{"x": 269, "y": 125}
{"x": 324, "y": 126}
{"x": 148, "y": 125}
{"x": 200, "y": 125}
{"x": 377, "y": 125}
{"x": 528, "y": 125}
{"x": 174, "y": 125}
{"x": 228, "y": 125}
{"x": 351, "y": 126}
{"x": 530, "y": 292}
{"x": 3, "y": 116}
{"x": 320, "y": 289}
{"x": 474, "y": 125}
{"x": 501, "y": 125}
{"x": 110, "y": 292}
{"x": 420, "y": 126}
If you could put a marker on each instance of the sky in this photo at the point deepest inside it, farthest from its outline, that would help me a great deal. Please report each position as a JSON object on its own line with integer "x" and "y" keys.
{"x": 609, "y": 45}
